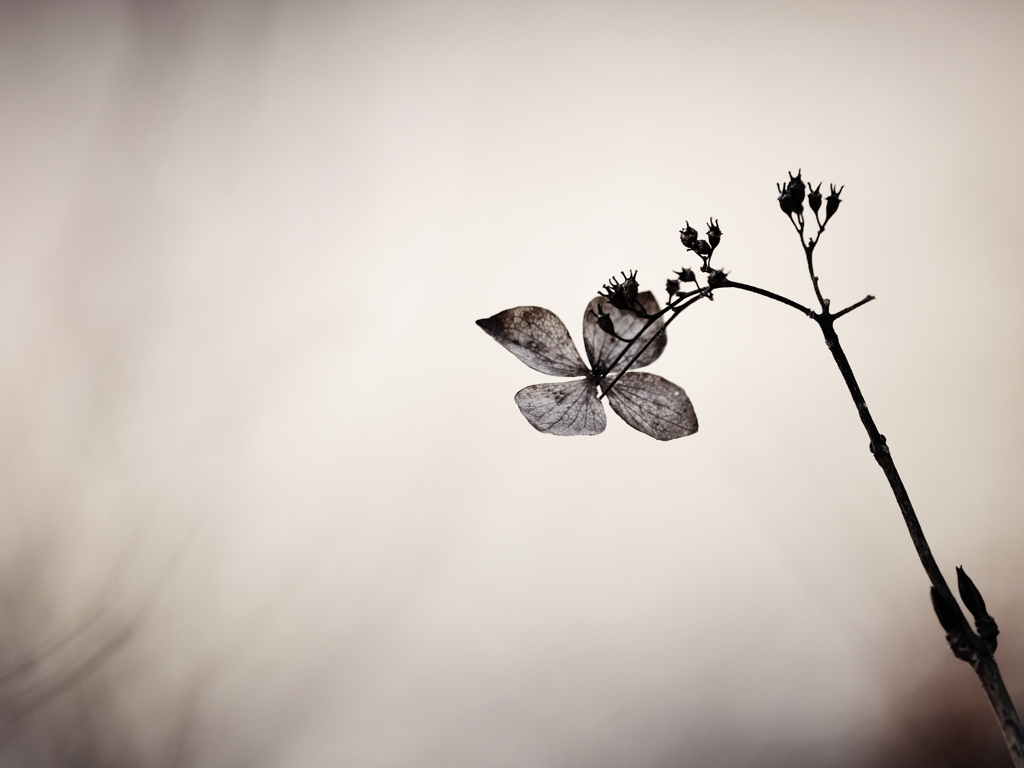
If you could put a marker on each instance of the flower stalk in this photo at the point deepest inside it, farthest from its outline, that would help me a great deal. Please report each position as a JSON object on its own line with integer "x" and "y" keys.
{"x": 976, "y": 648}
{"x": 625, "y": 329}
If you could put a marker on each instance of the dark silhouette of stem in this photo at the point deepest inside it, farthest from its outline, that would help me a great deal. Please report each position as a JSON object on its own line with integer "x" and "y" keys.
{"x": 980, "y": 655}
{"x": 853, "y": 306}
{"x": 806, "y": 311}
{"x": 964, "y": 641}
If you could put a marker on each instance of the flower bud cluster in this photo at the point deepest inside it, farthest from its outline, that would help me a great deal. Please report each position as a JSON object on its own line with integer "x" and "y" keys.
{"x": 793, "y": 192}
{"x": 704, "y": 248}
{"x": 624, "y": 295}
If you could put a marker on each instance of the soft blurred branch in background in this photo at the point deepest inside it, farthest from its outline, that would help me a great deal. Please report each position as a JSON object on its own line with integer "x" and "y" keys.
{"x": 261, "y": 504}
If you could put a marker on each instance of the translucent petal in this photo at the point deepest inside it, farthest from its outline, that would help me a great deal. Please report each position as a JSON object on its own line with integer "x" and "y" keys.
{"x": 563, "y": 407}
{"x": 653, "y": 405}
{"x": 537, "y": 337}
{"x": 602, "y": 348}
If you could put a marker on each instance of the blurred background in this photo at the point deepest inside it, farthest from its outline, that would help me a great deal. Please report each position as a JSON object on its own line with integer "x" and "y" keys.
{"x": 266, "y": 499}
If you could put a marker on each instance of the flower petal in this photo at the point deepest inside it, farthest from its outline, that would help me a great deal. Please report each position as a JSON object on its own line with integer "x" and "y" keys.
{"x": 653, "y": 405}
{"x": 602, "y": 348}
{"x": 563, "y": 407}
{"x": 537, "y": 337}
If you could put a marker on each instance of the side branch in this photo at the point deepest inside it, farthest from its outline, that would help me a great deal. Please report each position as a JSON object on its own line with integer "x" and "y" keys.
{"x": 853, "y": 306}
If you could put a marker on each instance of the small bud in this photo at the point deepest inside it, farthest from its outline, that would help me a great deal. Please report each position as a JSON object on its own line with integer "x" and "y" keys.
{"x": 616, "y": 300}
{"x": 672, "y": 286}
{"x": 785, "y": 201}
{"x": 714, "y": 234}
{"x": 987, "y": 628}
{"x": 717, "y": 278}
{"x": 814, "y": 198}
{"x": 969, "y": 593}
{"x": 623, "y": 295}
{"x": 686, "y": 275}
{"x": 604, "y": 322}
{"x": 688, "y": 236}
{"x": 832, "y": 202}
{"x": 613, "y": 292}
{"x": 630, "y": 288}
{"x": 795, "y": 189}
{"x": 702, "y": 248}
{"x": 791, "y": 195}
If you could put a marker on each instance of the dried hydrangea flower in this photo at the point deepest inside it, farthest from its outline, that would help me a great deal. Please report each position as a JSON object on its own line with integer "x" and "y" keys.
{"x": 646, "y": 402}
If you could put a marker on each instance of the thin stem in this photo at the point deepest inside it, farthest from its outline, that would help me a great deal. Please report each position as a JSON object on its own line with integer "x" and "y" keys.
{"x": 853, "y": 306}
{"x": 676, "y": 311}
{"x": 976, "y": 651}
{"x": 809, "y": 251}
{"x": 821, "y": 227}
{"x": 1002, "y": 705}
{"x": 880, "y": 450}
{"x": 805, "y": 311}
{"x": 677, "y": 306}
{"x": 980, "y": 658}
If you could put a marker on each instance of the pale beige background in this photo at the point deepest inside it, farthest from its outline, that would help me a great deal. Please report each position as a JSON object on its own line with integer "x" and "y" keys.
{"x": 246, "y": 415}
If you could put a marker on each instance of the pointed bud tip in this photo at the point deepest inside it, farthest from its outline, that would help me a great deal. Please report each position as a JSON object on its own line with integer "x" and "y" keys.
{"x": 970, "y": 594}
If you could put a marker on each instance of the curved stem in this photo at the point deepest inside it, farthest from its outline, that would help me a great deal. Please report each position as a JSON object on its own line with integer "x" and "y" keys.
{"x": 805, "y": 311}
{"x": 676, "y": 311}
{"x": 676, "y": 306}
